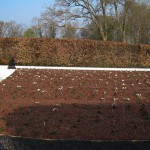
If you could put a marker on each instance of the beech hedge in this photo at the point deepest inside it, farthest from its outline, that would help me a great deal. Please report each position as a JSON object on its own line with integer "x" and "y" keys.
{"x": 73, "y": 52}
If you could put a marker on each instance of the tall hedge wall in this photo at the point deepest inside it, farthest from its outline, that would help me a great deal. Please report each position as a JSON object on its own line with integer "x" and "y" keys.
{"x": 73, "y": 52}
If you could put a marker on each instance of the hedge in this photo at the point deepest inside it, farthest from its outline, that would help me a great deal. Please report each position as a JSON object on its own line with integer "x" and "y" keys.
{"x": 73, "y": 52}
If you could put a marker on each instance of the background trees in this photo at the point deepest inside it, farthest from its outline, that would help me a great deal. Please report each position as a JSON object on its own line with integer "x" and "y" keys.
{"x": 114, "y": 20}
{"x": 88, "y": 10}
{"x": 69, "y": 31}
{"x": 138, "y": 30}
{"x": 29, "y": 33}
{"x": 10, "y": 29}
{"x": 107, "y": 20}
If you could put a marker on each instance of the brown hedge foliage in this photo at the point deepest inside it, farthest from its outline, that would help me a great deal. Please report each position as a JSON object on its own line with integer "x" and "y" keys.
{"x": 73, "y": 52}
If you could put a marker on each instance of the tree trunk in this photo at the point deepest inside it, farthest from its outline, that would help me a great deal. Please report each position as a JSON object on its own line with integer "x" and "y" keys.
{"x": 124, "y": 36}
{"x": 103, "y": 34}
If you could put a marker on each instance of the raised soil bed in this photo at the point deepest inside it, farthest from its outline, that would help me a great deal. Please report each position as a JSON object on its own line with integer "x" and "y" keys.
{"x": 76, "y": 105}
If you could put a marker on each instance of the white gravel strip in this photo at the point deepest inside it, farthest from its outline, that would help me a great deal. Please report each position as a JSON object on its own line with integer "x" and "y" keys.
{"x": 85, "y": 68}
{"x": 4, "y": 72}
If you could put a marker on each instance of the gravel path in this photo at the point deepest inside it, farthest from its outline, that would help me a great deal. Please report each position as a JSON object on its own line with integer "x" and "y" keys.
{"x": 4, "y": 72}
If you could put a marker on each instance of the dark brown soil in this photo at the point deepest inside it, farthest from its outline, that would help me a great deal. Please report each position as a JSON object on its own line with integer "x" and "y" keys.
{"x": 78, "y": 105}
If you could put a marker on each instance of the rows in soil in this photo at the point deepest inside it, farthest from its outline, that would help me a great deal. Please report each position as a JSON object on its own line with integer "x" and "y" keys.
{"x": 79, "y": 85}
{"x": 69, "y": 104}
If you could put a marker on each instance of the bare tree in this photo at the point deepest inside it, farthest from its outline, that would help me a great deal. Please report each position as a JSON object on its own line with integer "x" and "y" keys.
{"x": 69, "y": 31}
{"x": 89, "y": 10}
{"x": 12, "y": 29}
{"x": 51, "y": 21}
{"x": 45, "y": 25}
{"x": 37, "y": 27}
{"x": 122, "y": 9}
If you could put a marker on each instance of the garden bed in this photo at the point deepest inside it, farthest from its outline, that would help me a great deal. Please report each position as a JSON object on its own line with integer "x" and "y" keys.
{"x": 76, "y": 104}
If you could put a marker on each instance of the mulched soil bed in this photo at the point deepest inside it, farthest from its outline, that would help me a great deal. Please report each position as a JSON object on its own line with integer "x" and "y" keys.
{"x": 76, "y": 105}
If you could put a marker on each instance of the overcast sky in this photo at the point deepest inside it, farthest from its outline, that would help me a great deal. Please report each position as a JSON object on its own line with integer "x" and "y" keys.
{"x": 22, "y": 11}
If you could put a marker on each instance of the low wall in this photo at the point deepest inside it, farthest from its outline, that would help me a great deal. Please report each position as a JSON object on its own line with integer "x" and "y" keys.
{"x": 18, "y": 143}
{"x": 73, "y": 52}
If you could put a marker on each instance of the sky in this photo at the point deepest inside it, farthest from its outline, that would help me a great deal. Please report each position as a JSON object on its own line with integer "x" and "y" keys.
{"x": 22, "y": 11}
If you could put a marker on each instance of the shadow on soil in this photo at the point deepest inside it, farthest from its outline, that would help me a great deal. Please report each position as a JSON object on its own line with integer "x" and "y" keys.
{"x": 77, "y": 125}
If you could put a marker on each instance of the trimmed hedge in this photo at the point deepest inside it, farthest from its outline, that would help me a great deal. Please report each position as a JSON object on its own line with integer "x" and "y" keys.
{"x": 73, "y": 52}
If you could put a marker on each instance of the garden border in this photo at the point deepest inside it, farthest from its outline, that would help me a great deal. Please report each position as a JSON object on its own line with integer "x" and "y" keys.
{"x": 20, "y": 143}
